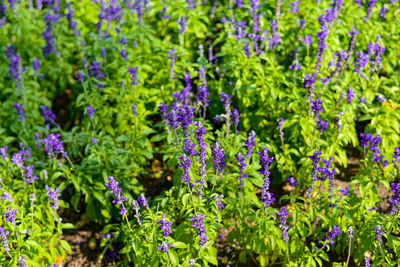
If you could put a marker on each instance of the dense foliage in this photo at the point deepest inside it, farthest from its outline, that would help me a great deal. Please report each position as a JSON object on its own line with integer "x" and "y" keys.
{"x": 201, "y": 133}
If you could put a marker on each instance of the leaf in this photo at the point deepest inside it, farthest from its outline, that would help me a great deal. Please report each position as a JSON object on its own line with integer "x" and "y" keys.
{"x": 173, "y": 256}
{"x": 65, "y": 245}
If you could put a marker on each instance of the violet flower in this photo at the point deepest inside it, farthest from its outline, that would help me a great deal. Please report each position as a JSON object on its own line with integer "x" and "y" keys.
{"x": 185, "y": 163}
{"x": 266, "y": 197}
{"x": 20, "y": 111}
{"x": 116, "y": 191}
{"x": 3, "y": 239}
{"x": 240, "y": 163}
{"x": 395, "y": 199}
{"x": 198, "y": 224}
{"x": 283, "y": 225}
{"x": 134, "y": 75}
{"x": 218, "y": 157}
{"x": 315, "y": 160}
{"x": 165, "y": 226}
{"x": 48, "y": 115}
{"x": 90, "y": 111}
{"x": 250, "y": 144}
{"x": 235, "y": 119}
{"x": 9, "y": 215}
{"x": 182, "y": 24}
{"x": 379, "y": 233}
{"x": 333, "y": 233}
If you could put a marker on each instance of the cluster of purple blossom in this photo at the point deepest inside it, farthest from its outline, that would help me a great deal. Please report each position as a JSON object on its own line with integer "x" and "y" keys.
{"x": 372, "y": 142}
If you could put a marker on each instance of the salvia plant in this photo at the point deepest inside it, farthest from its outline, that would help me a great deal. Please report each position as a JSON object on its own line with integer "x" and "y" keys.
{"x": 200, "y": 133}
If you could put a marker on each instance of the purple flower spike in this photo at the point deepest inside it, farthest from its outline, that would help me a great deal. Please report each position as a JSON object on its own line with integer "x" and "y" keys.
{"x": 283, "y": 225}
{"x": 20, "y": 111}
{"x": 165, "y": 226}
{"x": 379, "y": 233}
{"x": 197, "y": 221}
{"x": 333, "y": 233}
{"x": 218, "y": 157}
{"x": 90, "y": 111}
{"x": 266, "y": 197}
{"x": 3, "y": 239}
{"x": 9, "y": 215}
{"x": 185, "y": 165}
{"x": 116, "y": 191}
{"x": 250, "y": 143}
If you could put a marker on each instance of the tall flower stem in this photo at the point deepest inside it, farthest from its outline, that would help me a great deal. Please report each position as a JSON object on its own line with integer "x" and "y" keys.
{"x": 288, "y": 253}
{"x": 348, "y": 254}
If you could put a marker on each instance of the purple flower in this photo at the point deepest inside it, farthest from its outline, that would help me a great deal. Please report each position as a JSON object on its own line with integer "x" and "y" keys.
{"x": 333, "y": 233}
{"x": 226, "y": 99}
{"x": 123, "y": 54}
{"x": 20, "y": 111}
{"x": 309, "y": 81}
{"x": 80, "y": 76}
{"x": 315, "y": 160}
{"x": 350, "y": 94}
{"x": 164, "y": 246}
{"x": 90, "y": 111}
{"x": 266, "y": 197}
{"x": 395, "y": 199}
{"x": 281, "y": 121}
{"x": 185, "y": 163}
{"x": 3, "y": 152}
{"x": 200, "y": 131}
{"x": 283, "y": 225}
{"x": 350, "y": 232}
{"x": 95, "y": 70}
{"x": 191, "y": 262}
{"x": 3, "y": 239}
{"x": 382, "y": 11}
{"x": 396, "y": 156}
{"x": 250, "y": 143}
{"x": 143, "y": 200}
{"x": 235, "y": 119}
{"x": 367, "y": 140}
{"x": 182, "y": 24}
{"x": 94, "y": 141}
{"x": 316, "y": 106}
{"x": 307, "y": 40}
{"x": 379, "y": 233}
{"x": 292, "y": 182}
{"x": 189, "y": 147}
{"x": 344, "y": 192}
{"x": 30, "y": 176}
{"x": 366, "y": 259}
{"x": 322, "y": 36}
{"x": 164, "y": 14}
{"x": 218, "y": 202}
{"x": 53, "y": 146}
{"x": 9, "y": 215}
{"x": 198, "y": 224}
{"x": 370, "y": 5}
{"x": 322, "y": 125}
{"x": 295, "y": 7}
{"x": 53, "y": 195}
{"x": 380, "y": 98}
{"x": 15, "y": 69}
{"x": 134, "y": 75}
{"x": 36, "y": 64}
{"x": 218, "y": 157}
{"x": 134, "y": 112}
{"x": 165, "y": 226}
{"x": 275, "y": 39}
{"x": 240, "y": 163}
{"x": 48, "y": 116}
{"x": 295, "y": 65}
{"x": 136, "y": 207}
{"x": 116, "y": 191}
{"x": 21, "y": 262}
